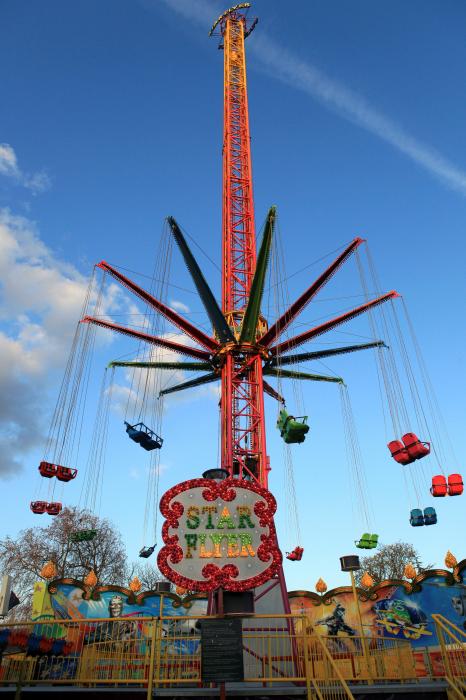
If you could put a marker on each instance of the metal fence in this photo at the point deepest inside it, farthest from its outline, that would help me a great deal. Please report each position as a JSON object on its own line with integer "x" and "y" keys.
{"x": 453, "y": 646}
{"x": 166, "y": 652}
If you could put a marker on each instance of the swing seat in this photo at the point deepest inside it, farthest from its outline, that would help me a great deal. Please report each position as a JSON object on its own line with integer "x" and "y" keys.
{"x": 65, "y": 473}
{"x": 455, "y": 485}
{"x": 151, "y": 443}
{"x": 416, "y": 448}
{"x": 53, "y": 508}
{"x": 144, "y": 436}
{"x": 296, "y": 554}
{"x": 145, "y": 552}
{"x": 38, "y": 507}
{"x": 83, "y": 535}
{"x": 416, "y": 517}
{"x": 364, "y": 542}
{"x": 135, "y": 435}
{"x": 439, "y": 486}
{"x": 291, "y": 429}
{"x": 374, "y": 541}
{"x": 399, "y": 452}
{"x": 47, "y": 469}
{"x": 430, "y": 516}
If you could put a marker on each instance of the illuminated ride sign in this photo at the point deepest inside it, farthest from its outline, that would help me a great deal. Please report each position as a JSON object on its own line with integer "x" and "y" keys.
{"x": 218, "y": 534}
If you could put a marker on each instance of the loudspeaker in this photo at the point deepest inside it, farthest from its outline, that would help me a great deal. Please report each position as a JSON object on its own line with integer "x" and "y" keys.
{"x": 350, "y": 563}
{"x": 238, "y": 602}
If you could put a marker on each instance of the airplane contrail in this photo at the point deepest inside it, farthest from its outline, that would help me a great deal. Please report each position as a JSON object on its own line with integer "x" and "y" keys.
{"x": 283, "y": 65}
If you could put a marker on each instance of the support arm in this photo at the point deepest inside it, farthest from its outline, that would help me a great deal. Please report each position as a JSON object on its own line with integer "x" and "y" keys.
{"x": 289, "y": 374}
{"x": 248, "y": 330}
{"x": 329, "y": 325}
{"x": 271, "y": 392}
{"x": 205, "y": 379}
{"x": 320, "y": 354}
{"x": 153, "y": 339}
{"x": 169, "y": 314}
{"x": 290, "y": 314}
{"x": 185, "y": 366}
{"x": 210, "y": 303}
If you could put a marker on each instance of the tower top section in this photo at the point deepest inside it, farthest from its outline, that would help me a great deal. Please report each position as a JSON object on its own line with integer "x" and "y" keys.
{"x": 237, "y": 12}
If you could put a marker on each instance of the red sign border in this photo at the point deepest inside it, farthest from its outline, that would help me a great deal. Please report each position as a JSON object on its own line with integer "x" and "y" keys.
{"x": 218, "y": 577}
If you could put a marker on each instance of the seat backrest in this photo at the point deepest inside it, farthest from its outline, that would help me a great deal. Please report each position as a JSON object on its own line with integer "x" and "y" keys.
{"x": 374, "y": 540}
{"x": 416, "y": 512}
{"x": 429, "y": 511}
{"x": 409, "y": 439}
{"x": 395, "y": 446}
{"x": 439, "y": 480}
{"x": 455, "y": 479}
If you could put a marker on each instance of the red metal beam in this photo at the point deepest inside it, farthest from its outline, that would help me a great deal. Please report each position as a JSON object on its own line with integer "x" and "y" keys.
{"x": 329, "y": 325}
{"x": 290, "y": 314}
{"x": 169, "y": 314}
{"x": 153, "y": 339}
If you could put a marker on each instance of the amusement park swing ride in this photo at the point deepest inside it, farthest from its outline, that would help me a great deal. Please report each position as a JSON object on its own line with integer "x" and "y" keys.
{"x": 245, "y": 350}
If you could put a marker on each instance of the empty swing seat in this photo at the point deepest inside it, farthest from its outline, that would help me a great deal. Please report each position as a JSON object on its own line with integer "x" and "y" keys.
{"x": 291, "y": 429}
{"x": 367, "y": 541}
{"x": 47, "y": 469}
{"x": 430, "y": 516}
{"x": 399, "y": 452}
{"x": 364, "y": 542}
{"x": 65, "y": 473}
{"x": 416, "y": 517}
{"x": 439, "y": 486}
{"x": 416, "y": 448}
{"x": 145, "y": 552}
{"x": 144, "y": 436}
{"x": 83, "y": 535}
{"x": 39, "y": 507}
{"x": 296, "y": 554}
{"x": 53, "y": 508}
{"x": 455, "y": 485}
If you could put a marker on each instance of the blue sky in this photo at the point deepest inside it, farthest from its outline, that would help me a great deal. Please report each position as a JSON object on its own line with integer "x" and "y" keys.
{"x": 112, "y": 120}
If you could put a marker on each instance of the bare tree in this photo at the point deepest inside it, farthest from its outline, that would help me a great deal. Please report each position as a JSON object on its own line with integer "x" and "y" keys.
{"x": 23, "y": 557}
{"x": 147, "y": 573}
{"x": 389, "y": 562}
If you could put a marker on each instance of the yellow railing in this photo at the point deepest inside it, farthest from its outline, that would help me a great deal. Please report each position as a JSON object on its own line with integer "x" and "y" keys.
{"x": 452, "y": 642}
{"x": 166, "y": 652}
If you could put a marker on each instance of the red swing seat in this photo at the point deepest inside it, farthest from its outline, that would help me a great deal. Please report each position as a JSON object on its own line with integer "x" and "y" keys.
{"x": 439, "y": 486}
{"x": 296, "y": 554}
{"x": 38, "y": 507}
{"x": 53, "y": 508}
{"x": 399, "y": 452}
{"x": 455, "y": 485}
{"x": 416, "y": 448}
{"x": 65, "y": 473}
{"x": 47, "y": 469}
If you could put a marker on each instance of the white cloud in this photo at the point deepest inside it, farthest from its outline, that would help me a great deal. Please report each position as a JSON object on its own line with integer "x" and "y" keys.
{"x": 179, "y": 306}
{"x": 41, "y": 300}
{"x": 285, "y": 66}
{"x": 8, "y": 161}
{"x": 9, "y": 167}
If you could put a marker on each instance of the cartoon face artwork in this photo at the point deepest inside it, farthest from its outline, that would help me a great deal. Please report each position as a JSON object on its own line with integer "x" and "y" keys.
{"x": 115, "y": 607}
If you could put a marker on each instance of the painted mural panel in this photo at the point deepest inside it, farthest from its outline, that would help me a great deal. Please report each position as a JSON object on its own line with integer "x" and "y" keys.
{"x": 393, "y": 609}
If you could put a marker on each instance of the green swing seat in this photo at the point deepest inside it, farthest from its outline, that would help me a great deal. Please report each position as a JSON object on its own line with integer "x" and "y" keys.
{"x": 291, "y": 429}
{"x": 83, "y": 535}
{"x": 367, "y": 541}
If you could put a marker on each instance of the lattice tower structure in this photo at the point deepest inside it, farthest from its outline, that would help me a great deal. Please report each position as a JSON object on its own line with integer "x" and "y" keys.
{"x": 244, "y": 452}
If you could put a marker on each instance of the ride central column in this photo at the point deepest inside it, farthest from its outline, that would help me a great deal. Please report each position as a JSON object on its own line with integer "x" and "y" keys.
{"x": 242, "y": 411}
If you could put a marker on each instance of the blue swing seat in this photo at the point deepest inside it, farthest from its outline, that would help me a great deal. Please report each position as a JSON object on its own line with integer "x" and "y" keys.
{"x": 144, "y": 436}
{"x": 416, "y": 517}
{"x": 430, "y": 516}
